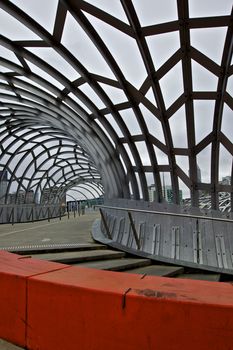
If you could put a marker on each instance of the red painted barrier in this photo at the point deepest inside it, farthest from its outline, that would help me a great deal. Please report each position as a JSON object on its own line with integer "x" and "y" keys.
{"x": 90, "y": 309}
{"x": 79, "y": 308}
{"x": 14, "y": 273}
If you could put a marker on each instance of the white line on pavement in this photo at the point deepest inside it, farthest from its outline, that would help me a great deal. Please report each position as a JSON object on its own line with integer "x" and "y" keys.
{"x": 27, "y": 229}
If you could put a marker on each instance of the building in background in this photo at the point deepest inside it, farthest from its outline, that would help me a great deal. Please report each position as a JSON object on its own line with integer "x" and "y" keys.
{"x": 226, "y": 180}
{"x": 22, "y": 197}
{"x": 29, "y": 197}
{"x": 152, "y": 193}
{"x": 198, "y": 174}
{"x": 53, "y": 195}
{"x": 3, "y": 185}
{"x": 168, "y": 194}
{"x": 16, "y": 197}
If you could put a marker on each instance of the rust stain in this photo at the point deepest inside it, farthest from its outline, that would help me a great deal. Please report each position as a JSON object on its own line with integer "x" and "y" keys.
{"x": 155, "y": 293}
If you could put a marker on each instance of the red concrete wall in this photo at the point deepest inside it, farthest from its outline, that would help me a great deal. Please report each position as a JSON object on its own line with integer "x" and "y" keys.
{"x": 15, "y": 271}
{"x": 53, "y": 306}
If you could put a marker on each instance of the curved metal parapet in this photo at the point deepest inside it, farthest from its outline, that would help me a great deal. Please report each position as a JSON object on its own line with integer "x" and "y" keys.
{"x": 168, "y": 233}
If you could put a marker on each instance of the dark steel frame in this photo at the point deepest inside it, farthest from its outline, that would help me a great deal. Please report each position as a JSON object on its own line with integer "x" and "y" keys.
{"x": 30, "y": 105}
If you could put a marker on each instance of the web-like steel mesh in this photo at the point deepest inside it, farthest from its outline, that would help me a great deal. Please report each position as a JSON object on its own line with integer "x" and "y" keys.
{"x": 142, "y": 89}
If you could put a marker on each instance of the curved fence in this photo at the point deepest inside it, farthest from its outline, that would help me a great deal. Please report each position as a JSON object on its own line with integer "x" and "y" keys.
{"x": 168, "y": 233}
{"x": 25, "y": 213}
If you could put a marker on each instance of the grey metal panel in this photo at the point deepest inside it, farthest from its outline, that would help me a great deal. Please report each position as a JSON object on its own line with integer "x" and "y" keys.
{"x": 186, "y": 240}
{"x": 229, "y": 245}
{"x": 221, "y": 251}
{"x": 175, "y": 242}
{"x": 156, "y": 239}
{"x": 113, "y": 224}
{"x": 224, "y": 240}
{"x": 197, "y": 247}
{"x": 121, "y": 228}
{"x": 165, "y": 236}
{"x": 207, "y": 240}
{"x": 196, "y": 240}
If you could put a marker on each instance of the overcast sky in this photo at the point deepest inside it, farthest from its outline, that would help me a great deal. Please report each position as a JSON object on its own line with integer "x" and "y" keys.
{"x": 210, "y": 41}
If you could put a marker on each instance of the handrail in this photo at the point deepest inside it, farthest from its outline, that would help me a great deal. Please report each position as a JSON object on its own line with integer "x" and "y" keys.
{"x": 165, "y": 213}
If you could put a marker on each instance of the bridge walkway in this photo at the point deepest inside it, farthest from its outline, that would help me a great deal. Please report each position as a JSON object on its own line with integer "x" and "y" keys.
{"x": 69, "y": 241}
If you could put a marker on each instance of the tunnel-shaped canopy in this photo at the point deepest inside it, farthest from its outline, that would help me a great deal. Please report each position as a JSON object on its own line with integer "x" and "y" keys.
{"x": 135, "y": 94}
{"x": 41, "y": 164}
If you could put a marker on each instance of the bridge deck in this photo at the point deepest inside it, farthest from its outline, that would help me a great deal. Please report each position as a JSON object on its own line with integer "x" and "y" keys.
{"x": 69, "y": 241}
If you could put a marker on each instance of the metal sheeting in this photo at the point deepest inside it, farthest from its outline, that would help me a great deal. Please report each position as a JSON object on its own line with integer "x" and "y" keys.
{"x": 196, "y": 239}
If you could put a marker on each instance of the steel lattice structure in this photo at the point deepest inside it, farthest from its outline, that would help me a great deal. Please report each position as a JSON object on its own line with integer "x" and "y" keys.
{"x": 39, "y": 158}
{"x": 120, "y": 120}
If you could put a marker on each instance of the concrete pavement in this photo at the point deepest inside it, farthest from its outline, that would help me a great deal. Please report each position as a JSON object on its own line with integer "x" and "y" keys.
{"x": 73, "y": 230}
{"x": 4, "y": 345}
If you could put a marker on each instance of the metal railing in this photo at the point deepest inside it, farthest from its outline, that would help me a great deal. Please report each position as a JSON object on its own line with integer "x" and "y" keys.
{"x": 152, "y": 212}
{"x": 12, "y": 214}
{"x": 191, "y": 216}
